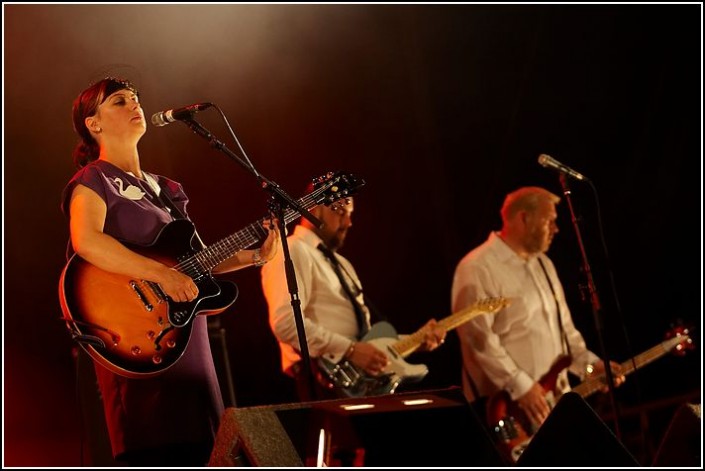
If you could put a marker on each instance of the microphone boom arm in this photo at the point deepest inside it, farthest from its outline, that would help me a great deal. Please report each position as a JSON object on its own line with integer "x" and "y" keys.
{"x": 267, "y": 184}
{"x": 280, "y": 199}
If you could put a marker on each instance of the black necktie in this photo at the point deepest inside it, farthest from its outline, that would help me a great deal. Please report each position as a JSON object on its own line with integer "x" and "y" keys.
{"x": 359, "y": 313}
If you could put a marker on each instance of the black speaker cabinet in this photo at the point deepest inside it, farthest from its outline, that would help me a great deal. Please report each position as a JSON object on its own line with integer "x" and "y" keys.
{"x": 573, "y": 435}
{"x": 426, "y": 428}
{"x": 682, "y": 443}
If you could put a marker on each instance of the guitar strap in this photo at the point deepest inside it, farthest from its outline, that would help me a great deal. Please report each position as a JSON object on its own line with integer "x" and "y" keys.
{"x": 175, "y": 212}
{"x": 359, "y": 313}
{"x": 375, "y": 314}
{"x": 564, "y": 339}
{"x": 163, "y": 196}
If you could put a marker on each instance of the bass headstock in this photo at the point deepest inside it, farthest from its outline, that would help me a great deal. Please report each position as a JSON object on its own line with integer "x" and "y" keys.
{"x": 686, "y": 344}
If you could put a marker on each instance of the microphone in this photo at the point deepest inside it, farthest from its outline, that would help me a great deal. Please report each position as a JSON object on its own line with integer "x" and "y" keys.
{"x": 179, "y": 114}
{"x": 549, "y": 162}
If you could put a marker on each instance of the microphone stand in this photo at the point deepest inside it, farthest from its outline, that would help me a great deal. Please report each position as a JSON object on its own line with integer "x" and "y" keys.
{"x": 279, "y": 200}
{"x": 595, "y": 302}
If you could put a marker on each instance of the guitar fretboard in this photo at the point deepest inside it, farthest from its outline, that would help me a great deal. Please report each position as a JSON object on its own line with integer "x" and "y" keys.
{"x": 412, "y": 342}
{"x": 205, "y": 260}
{"x": 592, "y": 385}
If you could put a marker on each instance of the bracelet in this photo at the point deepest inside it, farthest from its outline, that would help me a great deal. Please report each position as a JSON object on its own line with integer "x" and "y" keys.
{"x": 257, "y": 259}
{"x": 350, "y": 350}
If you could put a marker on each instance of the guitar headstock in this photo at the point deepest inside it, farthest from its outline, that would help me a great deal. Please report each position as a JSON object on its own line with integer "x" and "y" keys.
{"x": 335, "y": 186}
{"x": 492, "y": 305}
{"x": 686, "y": 343}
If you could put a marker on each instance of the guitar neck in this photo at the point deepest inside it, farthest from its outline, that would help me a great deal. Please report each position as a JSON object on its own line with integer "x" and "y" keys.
{"x": 592, "y": 385}
{"x": 213, "y": 255}
{"x": 412, "y": 342}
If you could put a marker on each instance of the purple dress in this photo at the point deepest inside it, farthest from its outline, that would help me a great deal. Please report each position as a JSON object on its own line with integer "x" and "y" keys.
{"x": 182, "y": 405}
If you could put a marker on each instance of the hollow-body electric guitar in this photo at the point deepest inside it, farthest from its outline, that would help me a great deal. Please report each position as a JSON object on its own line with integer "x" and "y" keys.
{"x": 130, "y": 326}
{"x": 512, "y": 427}
{"x": 351, "y": 381}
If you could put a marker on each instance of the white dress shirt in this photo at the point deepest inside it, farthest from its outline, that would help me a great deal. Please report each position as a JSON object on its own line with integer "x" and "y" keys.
{"x": 329, "y": 317}
{"x": 514, "y": 348}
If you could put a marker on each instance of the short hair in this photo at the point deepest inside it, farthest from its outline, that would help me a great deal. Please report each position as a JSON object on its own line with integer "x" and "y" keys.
{"x": 525, "y": 199}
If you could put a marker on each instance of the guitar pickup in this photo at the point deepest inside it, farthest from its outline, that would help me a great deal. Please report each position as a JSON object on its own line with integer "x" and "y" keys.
{"x": 392, "y": 352}
{"x": 136, "y": 288}
{"x": 157, "y": 290}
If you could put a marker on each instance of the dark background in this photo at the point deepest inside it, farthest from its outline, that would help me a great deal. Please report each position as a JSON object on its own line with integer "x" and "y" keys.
{"x": 442, "y": 109}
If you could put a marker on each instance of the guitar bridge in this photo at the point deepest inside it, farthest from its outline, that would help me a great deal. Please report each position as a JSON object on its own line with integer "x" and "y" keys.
{"x": 505, "y": 429}
{"x": 157, "y": 290}
{"x": 345, "y": 374}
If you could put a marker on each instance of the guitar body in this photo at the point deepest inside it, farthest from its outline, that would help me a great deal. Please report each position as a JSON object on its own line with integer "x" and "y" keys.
{"x": 130, "y": 326}
{"x": 351, "y": 381}
{"x": 509, "y": 422}
{"x": 383, "y": 336}
{"x": 512, "y": 427}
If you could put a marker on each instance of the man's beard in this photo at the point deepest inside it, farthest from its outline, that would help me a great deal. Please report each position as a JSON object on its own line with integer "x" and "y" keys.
{"x": 538, "y": 244}
{"x": 337, "y": 240}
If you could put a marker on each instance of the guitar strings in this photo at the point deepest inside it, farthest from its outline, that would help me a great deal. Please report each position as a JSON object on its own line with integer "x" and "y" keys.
{"x": 204, "y": 260}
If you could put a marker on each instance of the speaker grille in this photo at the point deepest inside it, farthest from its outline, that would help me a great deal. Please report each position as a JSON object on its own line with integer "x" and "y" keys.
{"x": 427, "y": 428}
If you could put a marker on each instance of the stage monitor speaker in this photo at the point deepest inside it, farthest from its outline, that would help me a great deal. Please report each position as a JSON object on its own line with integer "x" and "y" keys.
{"x": 425, "y": 428}
{"x": 573, "y": 435}
{"x": 682, "y": 443}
